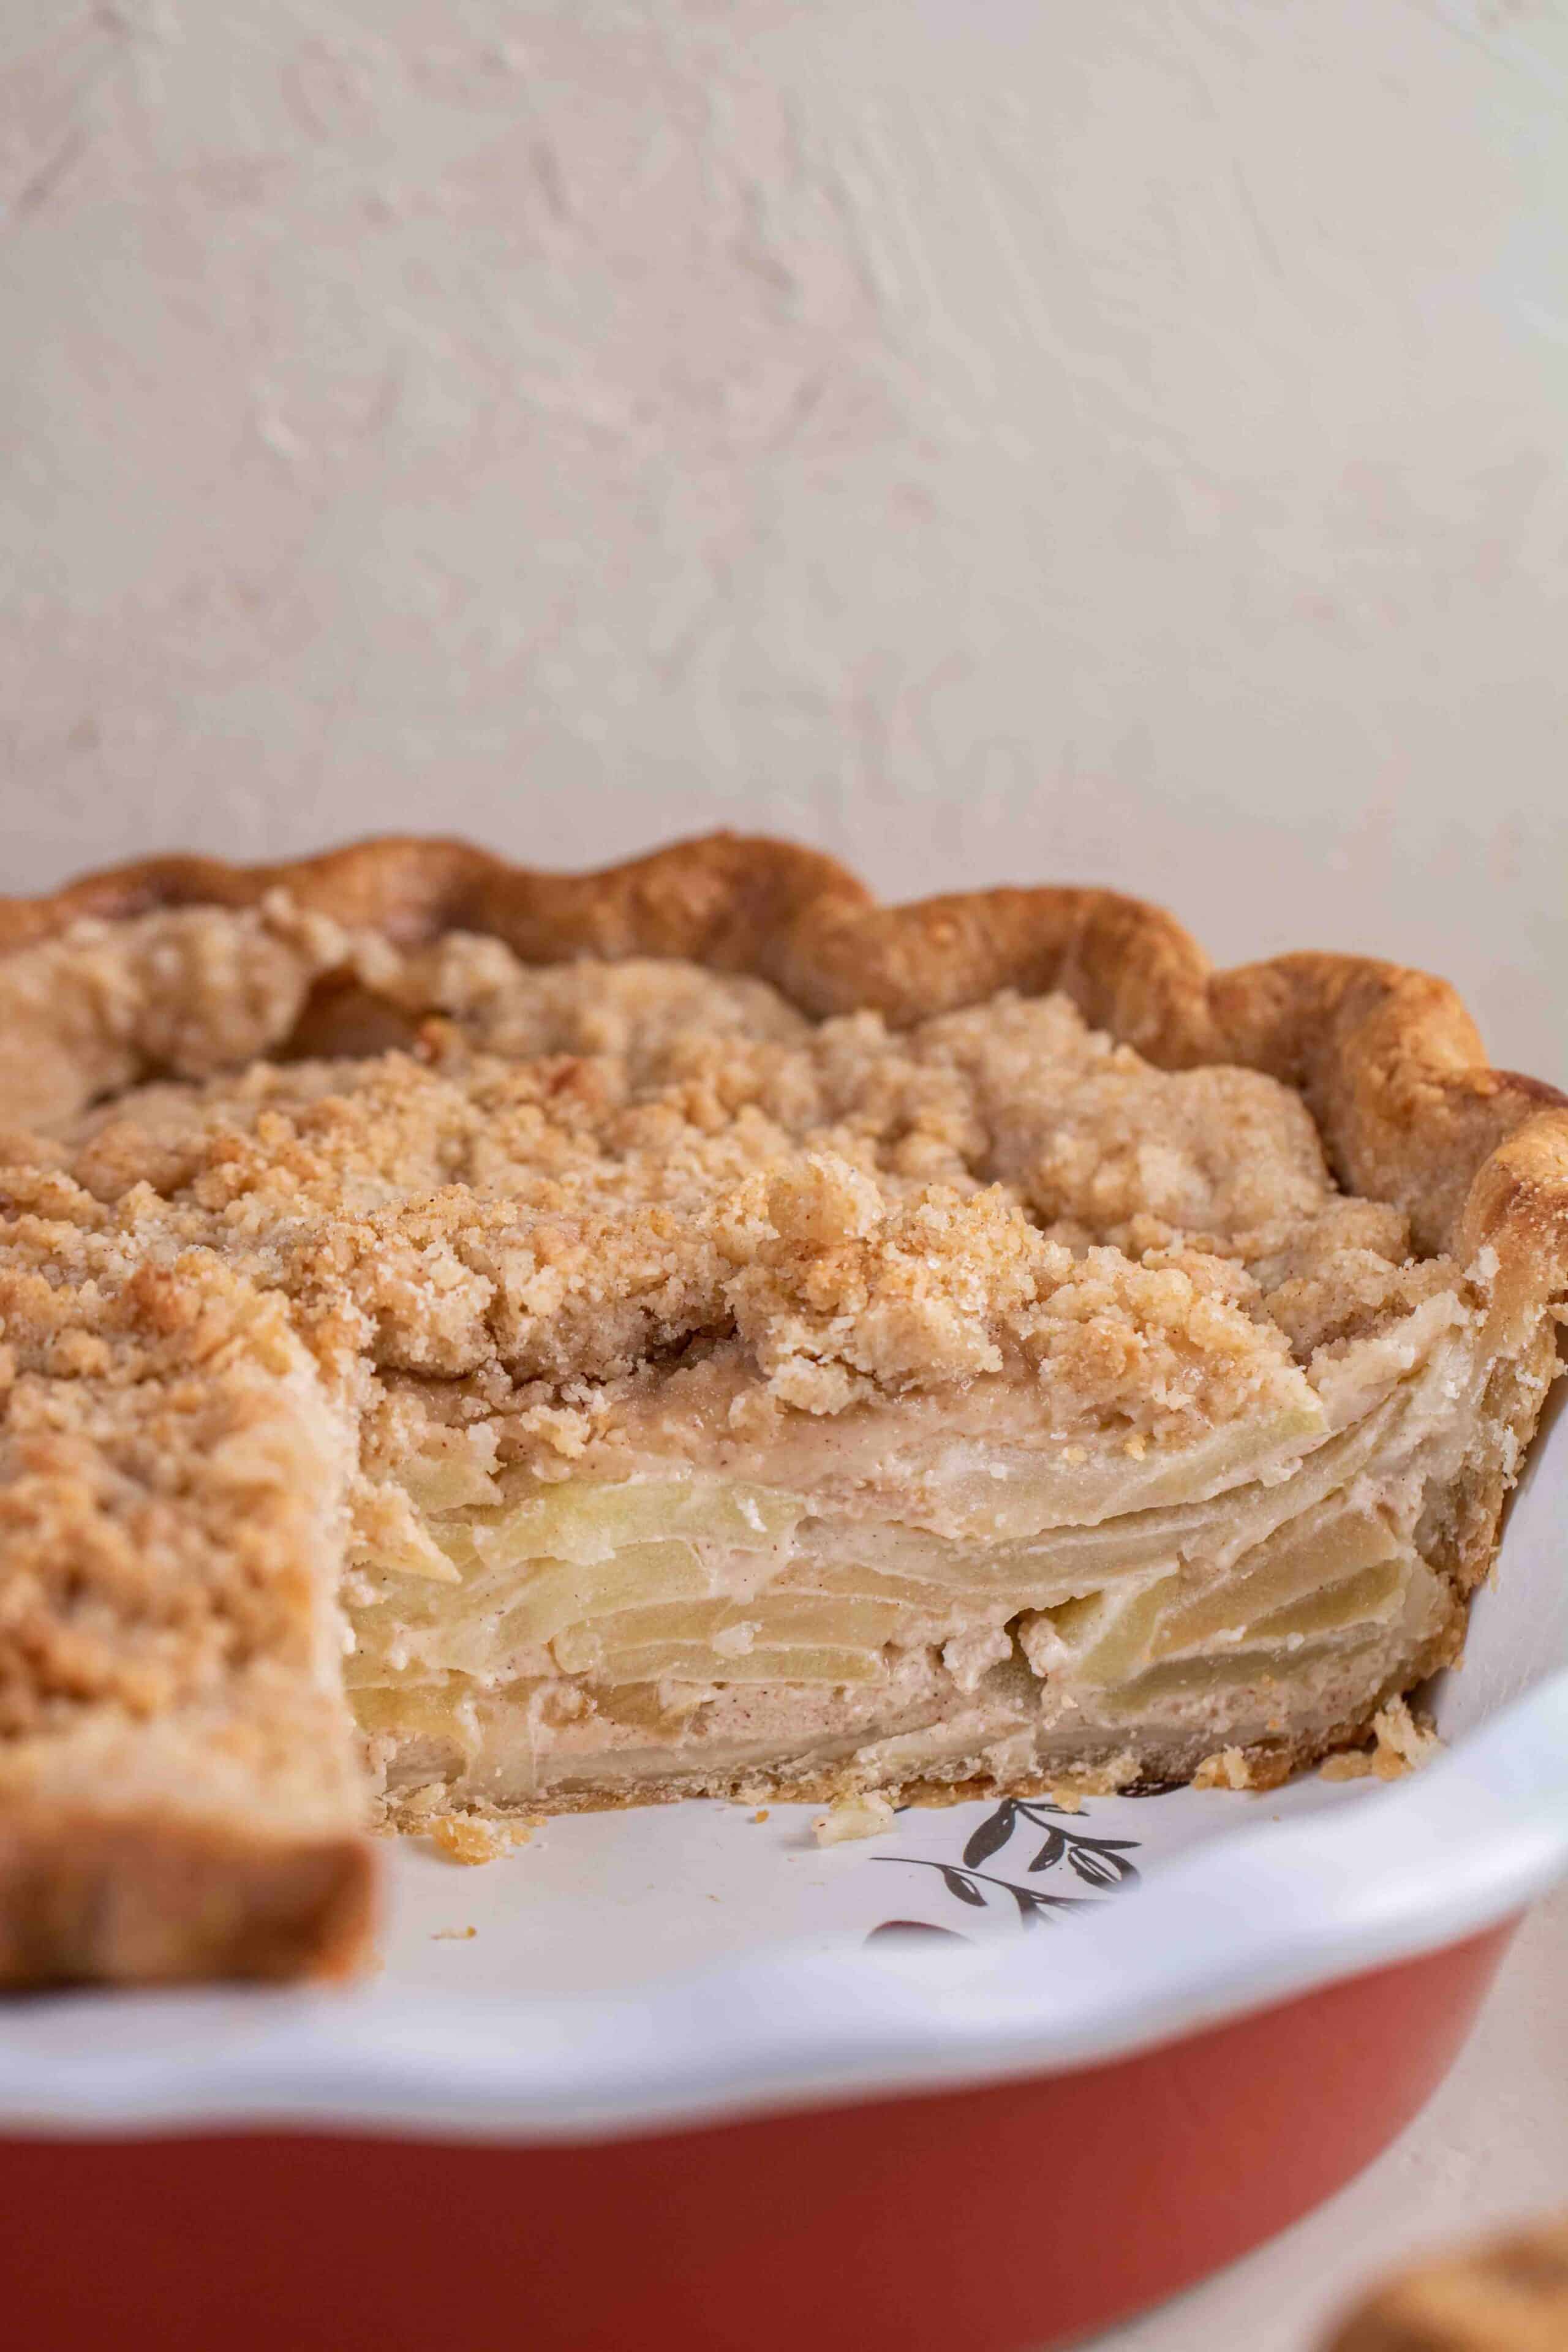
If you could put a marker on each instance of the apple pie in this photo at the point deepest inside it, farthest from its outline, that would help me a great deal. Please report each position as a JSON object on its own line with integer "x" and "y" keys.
{"x": 478, "y": 1342}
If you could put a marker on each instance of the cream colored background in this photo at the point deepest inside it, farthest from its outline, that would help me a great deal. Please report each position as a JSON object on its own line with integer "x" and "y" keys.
{"x": 1119, "y": 440}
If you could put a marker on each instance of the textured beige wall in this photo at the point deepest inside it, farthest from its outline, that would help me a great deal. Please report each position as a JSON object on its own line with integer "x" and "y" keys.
{"x": 989, "y": 437}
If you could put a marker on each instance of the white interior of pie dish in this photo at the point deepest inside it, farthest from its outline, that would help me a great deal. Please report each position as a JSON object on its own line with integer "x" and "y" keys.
{"x": 629, "y": 1969}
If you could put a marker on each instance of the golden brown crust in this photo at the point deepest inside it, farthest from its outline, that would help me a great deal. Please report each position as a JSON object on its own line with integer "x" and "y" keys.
{"x": 1509, "y": 2296}
{"x": 1387, "y": 1060}
{"x": 156, "y": 1898}
{"x": 1391, "y": 1064}
{"x": 179, "y": 1788}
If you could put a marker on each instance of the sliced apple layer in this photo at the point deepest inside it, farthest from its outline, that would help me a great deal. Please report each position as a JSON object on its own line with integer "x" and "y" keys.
{"x": 679, "y": 1620}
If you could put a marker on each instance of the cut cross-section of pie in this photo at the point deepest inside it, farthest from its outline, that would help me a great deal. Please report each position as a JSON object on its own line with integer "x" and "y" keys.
{"x": 480, "y": 1343}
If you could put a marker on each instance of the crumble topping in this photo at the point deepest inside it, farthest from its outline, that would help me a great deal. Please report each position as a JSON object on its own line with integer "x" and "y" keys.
{"x": 196, "y": 990}
{"x": 569, "y": 1179}
{"x": 161, "y": 1490}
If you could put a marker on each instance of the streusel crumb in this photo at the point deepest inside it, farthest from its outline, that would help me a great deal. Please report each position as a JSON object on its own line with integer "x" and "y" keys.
{"x": 1402, "y": 1742}
{"x": 1228, "y": 1769}
{"x": 866, "y": 1815}
{"x": 467, "y": 1839}
{"x": 579, "y": 1174}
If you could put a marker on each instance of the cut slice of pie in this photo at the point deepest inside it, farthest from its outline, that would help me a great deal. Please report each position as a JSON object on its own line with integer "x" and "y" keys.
{"x": 478, "y": 1342}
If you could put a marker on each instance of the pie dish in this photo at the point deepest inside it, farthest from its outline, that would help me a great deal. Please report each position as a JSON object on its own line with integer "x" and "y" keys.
{"x": 483, "y": 1342}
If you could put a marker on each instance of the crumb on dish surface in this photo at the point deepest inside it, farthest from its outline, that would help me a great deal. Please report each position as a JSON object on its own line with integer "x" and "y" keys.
{"x": 470, "y": 1839}
{"x": 1403, "y": 1740}
{"x": 868, "y": 1815}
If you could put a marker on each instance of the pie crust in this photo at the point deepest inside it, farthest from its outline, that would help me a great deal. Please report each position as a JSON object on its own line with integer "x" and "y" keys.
{"x": 1508, "y": 2296}
{"x": 181, "y": 1788}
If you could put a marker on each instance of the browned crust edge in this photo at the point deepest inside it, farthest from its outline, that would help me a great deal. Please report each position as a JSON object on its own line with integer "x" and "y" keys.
{"x": 1507, "y": 2292}
{"x": 158, "y": 1897}
{"x": 1388, "y": 1060}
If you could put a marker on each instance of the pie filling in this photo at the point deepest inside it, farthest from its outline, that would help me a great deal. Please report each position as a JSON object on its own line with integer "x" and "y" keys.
{"x": 701, "y": 1397}
{"x": 680, "y": 1625}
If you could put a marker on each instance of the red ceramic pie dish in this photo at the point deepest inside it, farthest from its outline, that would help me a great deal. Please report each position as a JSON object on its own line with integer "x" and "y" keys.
{"x": 671, "y": 2079}
{"x": 1014, "y": 2216}
{"x": 859, "y": 2141}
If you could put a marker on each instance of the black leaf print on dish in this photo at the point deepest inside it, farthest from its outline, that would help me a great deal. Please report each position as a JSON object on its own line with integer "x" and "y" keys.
{"x": 969, "y": 1886}
{"x": 991, "y": 1837}
{"x": 1099, "y": 1863}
